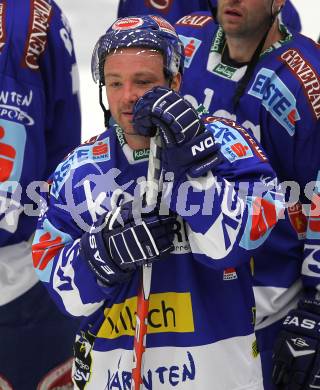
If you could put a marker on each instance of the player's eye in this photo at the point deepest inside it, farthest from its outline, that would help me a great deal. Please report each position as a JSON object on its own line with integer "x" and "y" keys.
{"x": 114, "y": 84}
{"x": 143, "y": 82}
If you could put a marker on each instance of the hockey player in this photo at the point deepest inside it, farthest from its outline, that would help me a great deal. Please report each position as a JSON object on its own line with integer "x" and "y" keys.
{"x": 39, "y": 124}
{"x": 173, "y": 10}
{"x": 95, "y": 232}
{"x": 270, "y": 82}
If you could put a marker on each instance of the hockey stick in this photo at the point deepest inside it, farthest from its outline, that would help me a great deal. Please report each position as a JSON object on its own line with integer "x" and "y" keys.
{"x": 153, "y": 188}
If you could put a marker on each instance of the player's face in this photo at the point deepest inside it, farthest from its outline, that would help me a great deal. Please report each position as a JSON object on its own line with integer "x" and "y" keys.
{"x": 241, "y": 18}
{"x": 128, "y": 76}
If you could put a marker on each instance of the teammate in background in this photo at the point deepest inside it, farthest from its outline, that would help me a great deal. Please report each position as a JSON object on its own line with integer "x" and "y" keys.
{"x": 200, "y": 332}
{"x": 39, "y": 124}
{"x": 254, "y": 70}
{"x": 173, "y": 10}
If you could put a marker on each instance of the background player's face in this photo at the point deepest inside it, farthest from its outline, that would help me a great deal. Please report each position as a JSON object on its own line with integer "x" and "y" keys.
{"x": 128, "y": 76}
{"x": 244, "y": 18}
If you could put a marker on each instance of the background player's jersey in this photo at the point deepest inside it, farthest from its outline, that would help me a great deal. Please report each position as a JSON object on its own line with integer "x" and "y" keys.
{"x": 201, "y": 306}
{"x": 173, "y": 10}
{"x": 39, "y": 124}
{"x": 281, "y": 106}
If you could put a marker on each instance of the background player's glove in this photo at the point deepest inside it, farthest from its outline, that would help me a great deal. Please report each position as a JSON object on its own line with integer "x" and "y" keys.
{"x": 296, "y": 355}
{"x": 186, "y": 145}
{"x": 126, "y": 242}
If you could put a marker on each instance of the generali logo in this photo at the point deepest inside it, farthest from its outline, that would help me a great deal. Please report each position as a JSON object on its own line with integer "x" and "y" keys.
{"x": 307, "y": 76}
{"x": 37, "y": 36}
{"x": 2, "y": 25}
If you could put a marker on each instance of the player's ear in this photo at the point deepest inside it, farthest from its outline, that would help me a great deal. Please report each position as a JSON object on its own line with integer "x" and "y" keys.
{"x": 176, "y": 82}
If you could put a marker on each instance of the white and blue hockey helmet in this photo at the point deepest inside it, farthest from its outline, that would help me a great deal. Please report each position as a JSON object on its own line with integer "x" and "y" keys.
{"x": 148, "y": 32}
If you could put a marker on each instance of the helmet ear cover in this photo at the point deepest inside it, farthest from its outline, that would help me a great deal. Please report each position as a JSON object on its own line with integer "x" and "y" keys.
{"x": 150, "y": 32}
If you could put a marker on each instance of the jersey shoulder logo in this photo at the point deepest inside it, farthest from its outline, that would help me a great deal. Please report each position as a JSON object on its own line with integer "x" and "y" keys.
{"x": 194, "y": 20}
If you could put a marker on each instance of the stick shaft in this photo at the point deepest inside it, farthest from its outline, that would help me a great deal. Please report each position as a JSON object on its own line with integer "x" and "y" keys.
{"x": 153, "y": 188}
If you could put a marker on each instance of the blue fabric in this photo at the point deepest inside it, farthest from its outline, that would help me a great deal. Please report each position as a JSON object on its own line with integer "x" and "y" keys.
{"x": 35, "y": 337}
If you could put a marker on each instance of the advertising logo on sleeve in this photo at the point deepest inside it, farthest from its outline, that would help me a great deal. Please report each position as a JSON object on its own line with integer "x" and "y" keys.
{"x": 12, "y": 147}
{"x": 37, "y": 39}
{"x": 97, "y": 152}
{"x": 298, "y": 220}
{"x": 276, "y": 99}
{"x": 2, "y": 25}
{"x": 191, "y": 45}
{"x": 263, "y": 215}
{"x": 307, "y": 76}
{"x": 47, "y": 243}
{"x": 233, "y": 146}
{"x": 196, "y": 21}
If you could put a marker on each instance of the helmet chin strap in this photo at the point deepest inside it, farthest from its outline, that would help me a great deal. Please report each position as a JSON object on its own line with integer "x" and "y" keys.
{"x": 242, "y": 84}
{"x": 106, "y": 113}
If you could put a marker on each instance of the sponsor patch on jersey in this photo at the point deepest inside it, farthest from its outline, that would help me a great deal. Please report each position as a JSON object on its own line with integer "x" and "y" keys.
{"x": 140, "y": 154}
{"x": 164, "y": 25}
{"x": 127, "y": 24}
{"x": 313, "y": 231}
{"x": 276, "y": 98}
{"x": 298, "y": 220}
{"x": 256, "y": 149}
{"x": 233, "y": 146}
{"x": 14, "y": 106}
{"x": 93, "y": 153}
{"x": 12, "y": 147}
{"x": 83, "y": 346}
{"x": 36, "y": 42}
{"x": 196, "y": 21}
{"x": 47, "y": 243}
{"x": 168, "y": 312}
{"x": 262, "y": 216}
{"x": 191, "y": 45}
{"x": 3, "y": 6}
{"x": 230, "y": 274}
{"x": 307, "y": 76}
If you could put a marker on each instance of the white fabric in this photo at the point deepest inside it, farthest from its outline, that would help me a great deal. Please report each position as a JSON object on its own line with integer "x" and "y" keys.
{"x": 223, "y": 365}
{"x": 16, "y": 271}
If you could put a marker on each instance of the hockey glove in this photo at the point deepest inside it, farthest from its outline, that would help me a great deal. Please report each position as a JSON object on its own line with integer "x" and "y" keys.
{"x": 296, "y": 355}
{"x": 186, "y": 145}
{"x": 120, "y": 242}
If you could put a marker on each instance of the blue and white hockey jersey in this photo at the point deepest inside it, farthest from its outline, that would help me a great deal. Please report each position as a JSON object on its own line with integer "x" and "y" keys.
{"x": 201, "y": 313}
{"x": 173, "y": 10}
{"x": 281, "y": 106}
{"x": 39, "y": 124}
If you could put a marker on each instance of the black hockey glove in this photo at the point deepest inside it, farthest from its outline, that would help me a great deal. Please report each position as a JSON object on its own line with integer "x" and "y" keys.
{"x": 186, "y": 145}
{"x": 296, "y": 355}
{"x": 120, "y": 242}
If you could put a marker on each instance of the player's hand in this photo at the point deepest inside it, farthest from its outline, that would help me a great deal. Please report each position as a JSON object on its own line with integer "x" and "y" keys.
{"x": 164, "y": 108}
{"x": 121, "y": 241}
{"x": 187, "y": 146}
{"x": 296, "y": 355}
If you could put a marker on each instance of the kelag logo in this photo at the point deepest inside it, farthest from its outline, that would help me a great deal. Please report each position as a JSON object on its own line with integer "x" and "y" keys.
{"x": 276, "y": 98}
